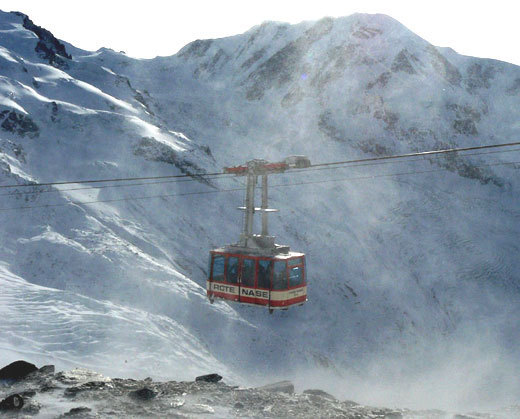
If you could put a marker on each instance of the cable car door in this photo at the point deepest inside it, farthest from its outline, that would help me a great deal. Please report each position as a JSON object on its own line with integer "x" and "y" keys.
{"x": 247, "y": 280}
{"x": 263, "y": 282}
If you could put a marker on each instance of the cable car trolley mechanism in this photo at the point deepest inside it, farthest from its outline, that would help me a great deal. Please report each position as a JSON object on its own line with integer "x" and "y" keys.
{"x": 256, "y": 270}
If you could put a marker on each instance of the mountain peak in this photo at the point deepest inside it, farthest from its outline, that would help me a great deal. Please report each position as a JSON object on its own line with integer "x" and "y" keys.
{"x": 48, "y": 47}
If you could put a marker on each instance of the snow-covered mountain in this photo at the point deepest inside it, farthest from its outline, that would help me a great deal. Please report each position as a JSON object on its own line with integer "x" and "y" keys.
{"x": 414, "y": 278}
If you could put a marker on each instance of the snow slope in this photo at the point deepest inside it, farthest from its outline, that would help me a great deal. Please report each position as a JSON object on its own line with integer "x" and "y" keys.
{"x": 51, "y": 325}
{"x": 414, "y": 278}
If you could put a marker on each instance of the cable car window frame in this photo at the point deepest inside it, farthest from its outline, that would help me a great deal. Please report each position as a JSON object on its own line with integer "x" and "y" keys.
{"x": 299, "y": 283}
{"x": 295, "y": 261}
{"x": 242, "y": 272}
{"x": 221, "y": 277}
{"x": 237, "y": 270}
{"x": 291, "y": 266}
{"x": 266, "y": 277}
{"x": 284, "y": 270}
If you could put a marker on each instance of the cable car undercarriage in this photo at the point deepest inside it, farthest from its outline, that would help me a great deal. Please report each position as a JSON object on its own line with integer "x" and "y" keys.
{"x": 256, "y": 270}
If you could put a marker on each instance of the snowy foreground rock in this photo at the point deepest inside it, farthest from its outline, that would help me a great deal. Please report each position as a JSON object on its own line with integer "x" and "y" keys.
{"x": 87, "y": 394}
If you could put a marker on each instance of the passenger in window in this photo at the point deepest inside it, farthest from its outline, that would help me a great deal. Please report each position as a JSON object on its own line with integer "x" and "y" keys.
{"x": 232, "y": 270}
{"x": 264, "y": 273}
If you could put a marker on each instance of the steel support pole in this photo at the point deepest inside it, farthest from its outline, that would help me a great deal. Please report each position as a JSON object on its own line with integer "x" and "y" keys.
{"x": 264, "y": 206}
{"x": 250, "y": 206}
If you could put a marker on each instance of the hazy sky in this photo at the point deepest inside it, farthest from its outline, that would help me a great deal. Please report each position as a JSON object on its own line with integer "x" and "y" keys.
{"x": 149, "y": 28}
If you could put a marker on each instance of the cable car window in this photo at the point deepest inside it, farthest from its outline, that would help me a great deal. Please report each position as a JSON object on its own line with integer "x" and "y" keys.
{"x": 295, "y": 276}
{"x": 295, "y": 261}
{"x": 264, "y": 273}
{"x": 248, "y": 272}
{"x": 280, "y": 276}
{"x": 232, "y": 270}
{"x": 218, "y": 268}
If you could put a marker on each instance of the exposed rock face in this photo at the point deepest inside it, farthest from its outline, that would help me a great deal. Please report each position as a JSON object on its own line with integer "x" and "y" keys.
{"x": 143, "y": 394}
{"x": 196, "y": 48}
{"x": 381, "y": 81}
{"x": 48, "y": 47}
{"x": 80, "y": 412}
{"x": 479, "y": 77}
{"x": 404, "y": 62}
{"x": 366, "y": 32}
{"x": 19, "y": 124}
{"x": 330, "y": 129}
{"x": 280, "y": 387}
{"x": 444, "y": 67}
{"x": 466, "y": 119}
{"x": 152, "y": 149}
{"x": 16, "y": 150}
{"x": 515, "y": 88}
{"x": 320, "y": 393}
{"x": 284, "y": 65}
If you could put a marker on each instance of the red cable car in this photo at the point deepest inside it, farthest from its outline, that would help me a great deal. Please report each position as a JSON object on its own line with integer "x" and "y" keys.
{"x": 255, "y": 270}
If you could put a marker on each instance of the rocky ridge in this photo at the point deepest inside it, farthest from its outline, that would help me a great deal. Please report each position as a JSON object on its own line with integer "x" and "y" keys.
{"x": 83, "y": 393}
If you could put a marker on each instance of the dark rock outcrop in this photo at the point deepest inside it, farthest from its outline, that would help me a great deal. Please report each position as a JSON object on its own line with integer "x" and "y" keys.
{"x": 466, "y": 119}
{"x": 253, "y": 59}
{"x": 143, "y": 394}
{"x": 89, "y": 386}
{"x": 283, "y": 66}
{"x": 327, "y": 126}
{"x": 47, "y": 370}
{"x": 479, "y": 76}
{"x": 12, "y": 402}
{"x": 77, "y": 412}
{"x": 514, "y": 89}
{"x": 444, "y": 68}
{"x": 17, "y": 370}
{"x": 209, "y": 378}
{"x": 366, "y": 32}
{"x": 381, "y": 81}
{"x": 19, "y": 124}
{"x": 404, "y": 62}
{"x": 320, "y": 393}
{"x": 151, "y": 149}
{"x": 49, "y": 47}
{"x": 196, "y": 48}
{"x": 279, "y": 387}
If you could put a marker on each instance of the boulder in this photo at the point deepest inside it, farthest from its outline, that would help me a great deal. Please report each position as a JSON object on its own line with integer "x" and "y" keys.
{"x": 17, "y": 370}
{"x": 143, "y": 394}
{"x": 90, "y": 386}
{"x": 209, "y": 378}
{"x": 47, "y": 369}
{"x": 320, "y": 393}
{"x": 13, "y": 402}
{"x": 78, "y": 411}
{"x": 279, "y": 387}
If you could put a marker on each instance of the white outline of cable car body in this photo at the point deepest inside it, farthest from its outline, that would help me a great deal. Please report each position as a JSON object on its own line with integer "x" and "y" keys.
{"x": 256, "y": 270}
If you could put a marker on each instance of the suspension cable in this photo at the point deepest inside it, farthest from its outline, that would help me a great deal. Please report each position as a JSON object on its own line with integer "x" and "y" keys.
{"x": 135, "y": 198}
{"x": 201, "y": 175}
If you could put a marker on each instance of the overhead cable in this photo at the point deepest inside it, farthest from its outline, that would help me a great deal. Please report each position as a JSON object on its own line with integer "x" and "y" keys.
{"x": 195, "y": 175}
{"x": 242, "y": 189}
